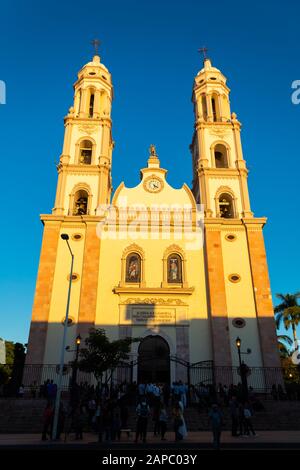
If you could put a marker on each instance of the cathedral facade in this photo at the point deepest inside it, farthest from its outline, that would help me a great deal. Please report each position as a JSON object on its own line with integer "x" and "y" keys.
{"x": 184, "y": 270}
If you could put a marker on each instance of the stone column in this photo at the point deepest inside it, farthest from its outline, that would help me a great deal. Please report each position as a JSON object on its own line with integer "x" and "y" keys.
{"x": 209, "y": 108}
{"x": 97, "y": 110}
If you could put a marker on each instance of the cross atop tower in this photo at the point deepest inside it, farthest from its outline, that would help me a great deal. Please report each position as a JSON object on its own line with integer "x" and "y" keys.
{"x": 203, "y": 50}
{"x": 96, "y": 43}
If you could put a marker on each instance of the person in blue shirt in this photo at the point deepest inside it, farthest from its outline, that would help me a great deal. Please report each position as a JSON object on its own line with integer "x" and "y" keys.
{"x": 216, "y": 418}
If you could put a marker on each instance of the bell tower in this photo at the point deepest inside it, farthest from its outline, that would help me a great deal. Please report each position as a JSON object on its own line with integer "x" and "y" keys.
{"x": 218, "y": 162}
{"x": 84, "y": 182}
{"x": 236, "y": 266}
{"x": 84, "y": 169}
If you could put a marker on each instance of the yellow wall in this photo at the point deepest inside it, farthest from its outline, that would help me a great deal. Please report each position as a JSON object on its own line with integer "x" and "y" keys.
{"x": 59, "y": 296}
{"x": 239, "y": 296}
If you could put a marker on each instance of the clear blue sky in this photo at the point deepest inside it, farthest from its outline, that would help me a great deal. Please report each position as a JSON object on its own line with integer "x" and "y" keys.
{"x": 150, "y": 47}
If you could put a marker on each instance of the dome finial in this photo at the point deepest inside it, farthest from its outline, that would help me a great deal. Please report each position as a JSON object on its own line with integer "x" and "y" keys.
{"x": 96, "y": 43}
{"x": 203, "y": 50}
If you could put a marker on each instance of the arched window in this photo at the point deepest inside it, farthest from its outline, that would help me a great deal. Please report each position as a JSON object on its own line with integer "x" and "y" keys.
{"x": 85, "y": 153}
{"x": 220, "y": 154}
{"x": 133, "y": 268}
{"x": 226, "y": 208}
{"x": 204, "y": 107}
{"x": 81, "y": 198}
{"x": 91, "y": 104}
{"x": 215, "y": 108}
{"x": 174, "y": 268}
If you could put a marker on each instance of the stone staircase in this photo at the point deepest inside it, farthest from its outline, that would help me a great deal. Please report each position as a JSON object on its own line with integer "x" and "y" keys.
{"x": 26, "y": 416}
{"x": 21, "y": 415}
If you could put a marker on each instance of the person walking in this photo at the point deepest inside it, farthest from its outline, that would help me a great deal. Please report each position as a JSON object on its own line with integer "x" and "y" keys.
{"x": 155, "y": 418}
{"x": 47, "y": 421}
{"x": 234, "y": 414}
{"x": 241, "y": 419}
{"x": 33, "y": 389}
{"x": 163, "y": 419}
{"x": 247, "y": 420}
{"x": 143, "y": 413}
{"x": 179, "y": 423}
{"x": 216, "y": 418}
{"x": 78, "y": 420}
{"x": 21, "y": 391}
{"x": 98, "y": 419}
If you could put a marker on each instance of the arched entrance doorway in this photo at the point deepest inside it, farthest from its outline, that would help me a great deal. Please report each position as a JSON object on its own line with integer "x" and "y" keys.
{"x": 154, "y": 360}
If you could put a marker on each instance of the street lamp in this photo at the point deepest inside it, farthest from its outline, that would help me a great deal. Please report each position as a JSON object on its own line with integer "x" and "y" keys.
{"x": 74, "y": 371}
{"x": 65, "y": 237}
{"x": 238, "y": 343}
{"x": 78, "y": 341}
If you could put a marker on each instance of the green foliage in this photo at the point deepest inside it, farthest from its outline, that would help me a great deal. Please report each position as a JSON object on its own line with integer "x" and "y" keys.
{"x": 101, "y": 355}
{"x": 287, "y": 300}
{"x": 15, "y": 358}
{"x": 288, "y": 313}
{"x": 283, "y": 349}
{"x": 10, "y": 352}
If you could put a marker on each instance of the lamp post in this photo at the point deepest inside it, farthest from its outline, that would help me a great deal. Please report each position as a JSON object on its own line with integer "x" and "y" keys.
{"x": 74, "y": 371}
{"x": 65, "y": 237}
{"x": 238, "y": 343}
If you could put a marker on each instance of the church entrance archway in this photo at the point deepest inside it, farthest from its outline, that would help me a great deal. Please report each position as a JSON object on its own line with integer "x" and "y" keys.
{"x": 154, "y": 360}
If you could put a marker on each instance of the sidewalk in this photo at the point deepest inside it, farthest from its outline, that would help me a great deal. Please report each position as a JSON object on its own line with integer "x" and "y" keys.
{"x": 194, "y": 438}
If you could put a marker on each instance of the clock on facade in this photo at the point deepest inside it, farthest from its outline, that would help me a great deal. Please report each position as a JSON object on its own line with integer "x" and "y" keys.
{"x": 154, "y": 185}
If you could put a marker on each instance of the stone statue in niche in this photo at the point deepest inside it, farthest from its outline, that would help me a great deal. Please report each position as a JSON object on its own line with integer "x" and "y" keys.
{"x": 174, "y": 268}
{"x": 133, "y": 268}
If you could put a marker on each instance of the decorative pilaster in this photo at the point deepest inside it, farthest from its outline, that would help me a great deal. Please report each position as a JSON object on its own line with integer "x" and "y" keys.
{"x": 262, "y": 294}
{"x": 89, "y": 284}
{"x": 43, "y": 292}
{"x": 182, "y": 351}
{"x": 217, "y": 298}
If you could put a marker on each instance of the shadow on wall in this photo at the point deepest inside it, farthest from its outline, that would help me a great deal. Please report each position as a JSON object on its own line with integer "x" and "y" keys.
{"x": 167, "y": 352}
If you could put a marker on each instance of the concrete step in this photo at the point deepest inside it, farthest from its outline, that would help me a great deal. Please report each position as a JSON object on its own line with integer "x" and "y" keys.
{"x": 26, "y": 416}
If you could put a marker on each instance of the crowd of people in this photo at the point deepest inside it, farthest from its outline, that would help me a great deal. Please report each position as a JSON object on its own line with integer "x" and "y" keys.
{"x": 105, "y": 409}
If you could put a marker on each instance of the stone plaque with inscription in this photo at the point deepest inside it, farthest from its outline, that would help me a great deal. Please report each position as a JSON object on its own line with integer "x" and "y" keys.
{"x": 143, "y": 315}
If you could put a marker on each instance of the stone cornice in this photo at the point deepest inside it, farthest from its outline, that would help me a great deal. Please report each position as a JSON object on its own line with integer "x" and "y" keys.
{"x": 71, "y": 119}
{"x": 153, "y": 301}
{"x": 201, "y": 124}
{"x": 218, "y": 223}
{"x": 154, "y": 290}
{"x": 86, "y": 219}
{"x": 254, "y": 224}
{"x": 75, "y": 169}
{"x": 219, "y": 172}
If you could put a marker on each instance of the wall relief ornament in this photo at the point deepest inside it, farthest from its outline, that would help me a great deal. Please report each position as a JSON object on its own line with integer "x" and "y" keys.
{"x": 88, "y": 128}
{"x": 219, "y": 132}
{"x": 153, "y": 301}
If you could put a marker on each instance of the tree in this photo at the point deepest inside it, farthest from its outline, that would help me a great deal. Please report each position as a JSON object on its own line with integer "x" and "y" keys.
{"x": 283, "y": 350}
{"x": 11, "y": 373}
{"x": 102, "y": 355}
{"x": 288, "y": 313}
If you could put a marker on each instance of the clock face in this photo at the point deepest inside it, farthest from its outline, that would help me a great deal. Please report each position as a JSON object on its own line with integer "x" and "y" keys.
{"x": 154, "y": 185}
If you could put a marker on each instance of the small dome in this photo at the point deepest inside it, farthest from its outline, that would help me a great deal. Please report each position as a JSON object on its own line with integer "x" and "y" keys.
{"x": 209, "y": 74}
{"x": 96, "y": 63}
{"x": 94, "y": 68}
{"x": 208, "y": 67}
